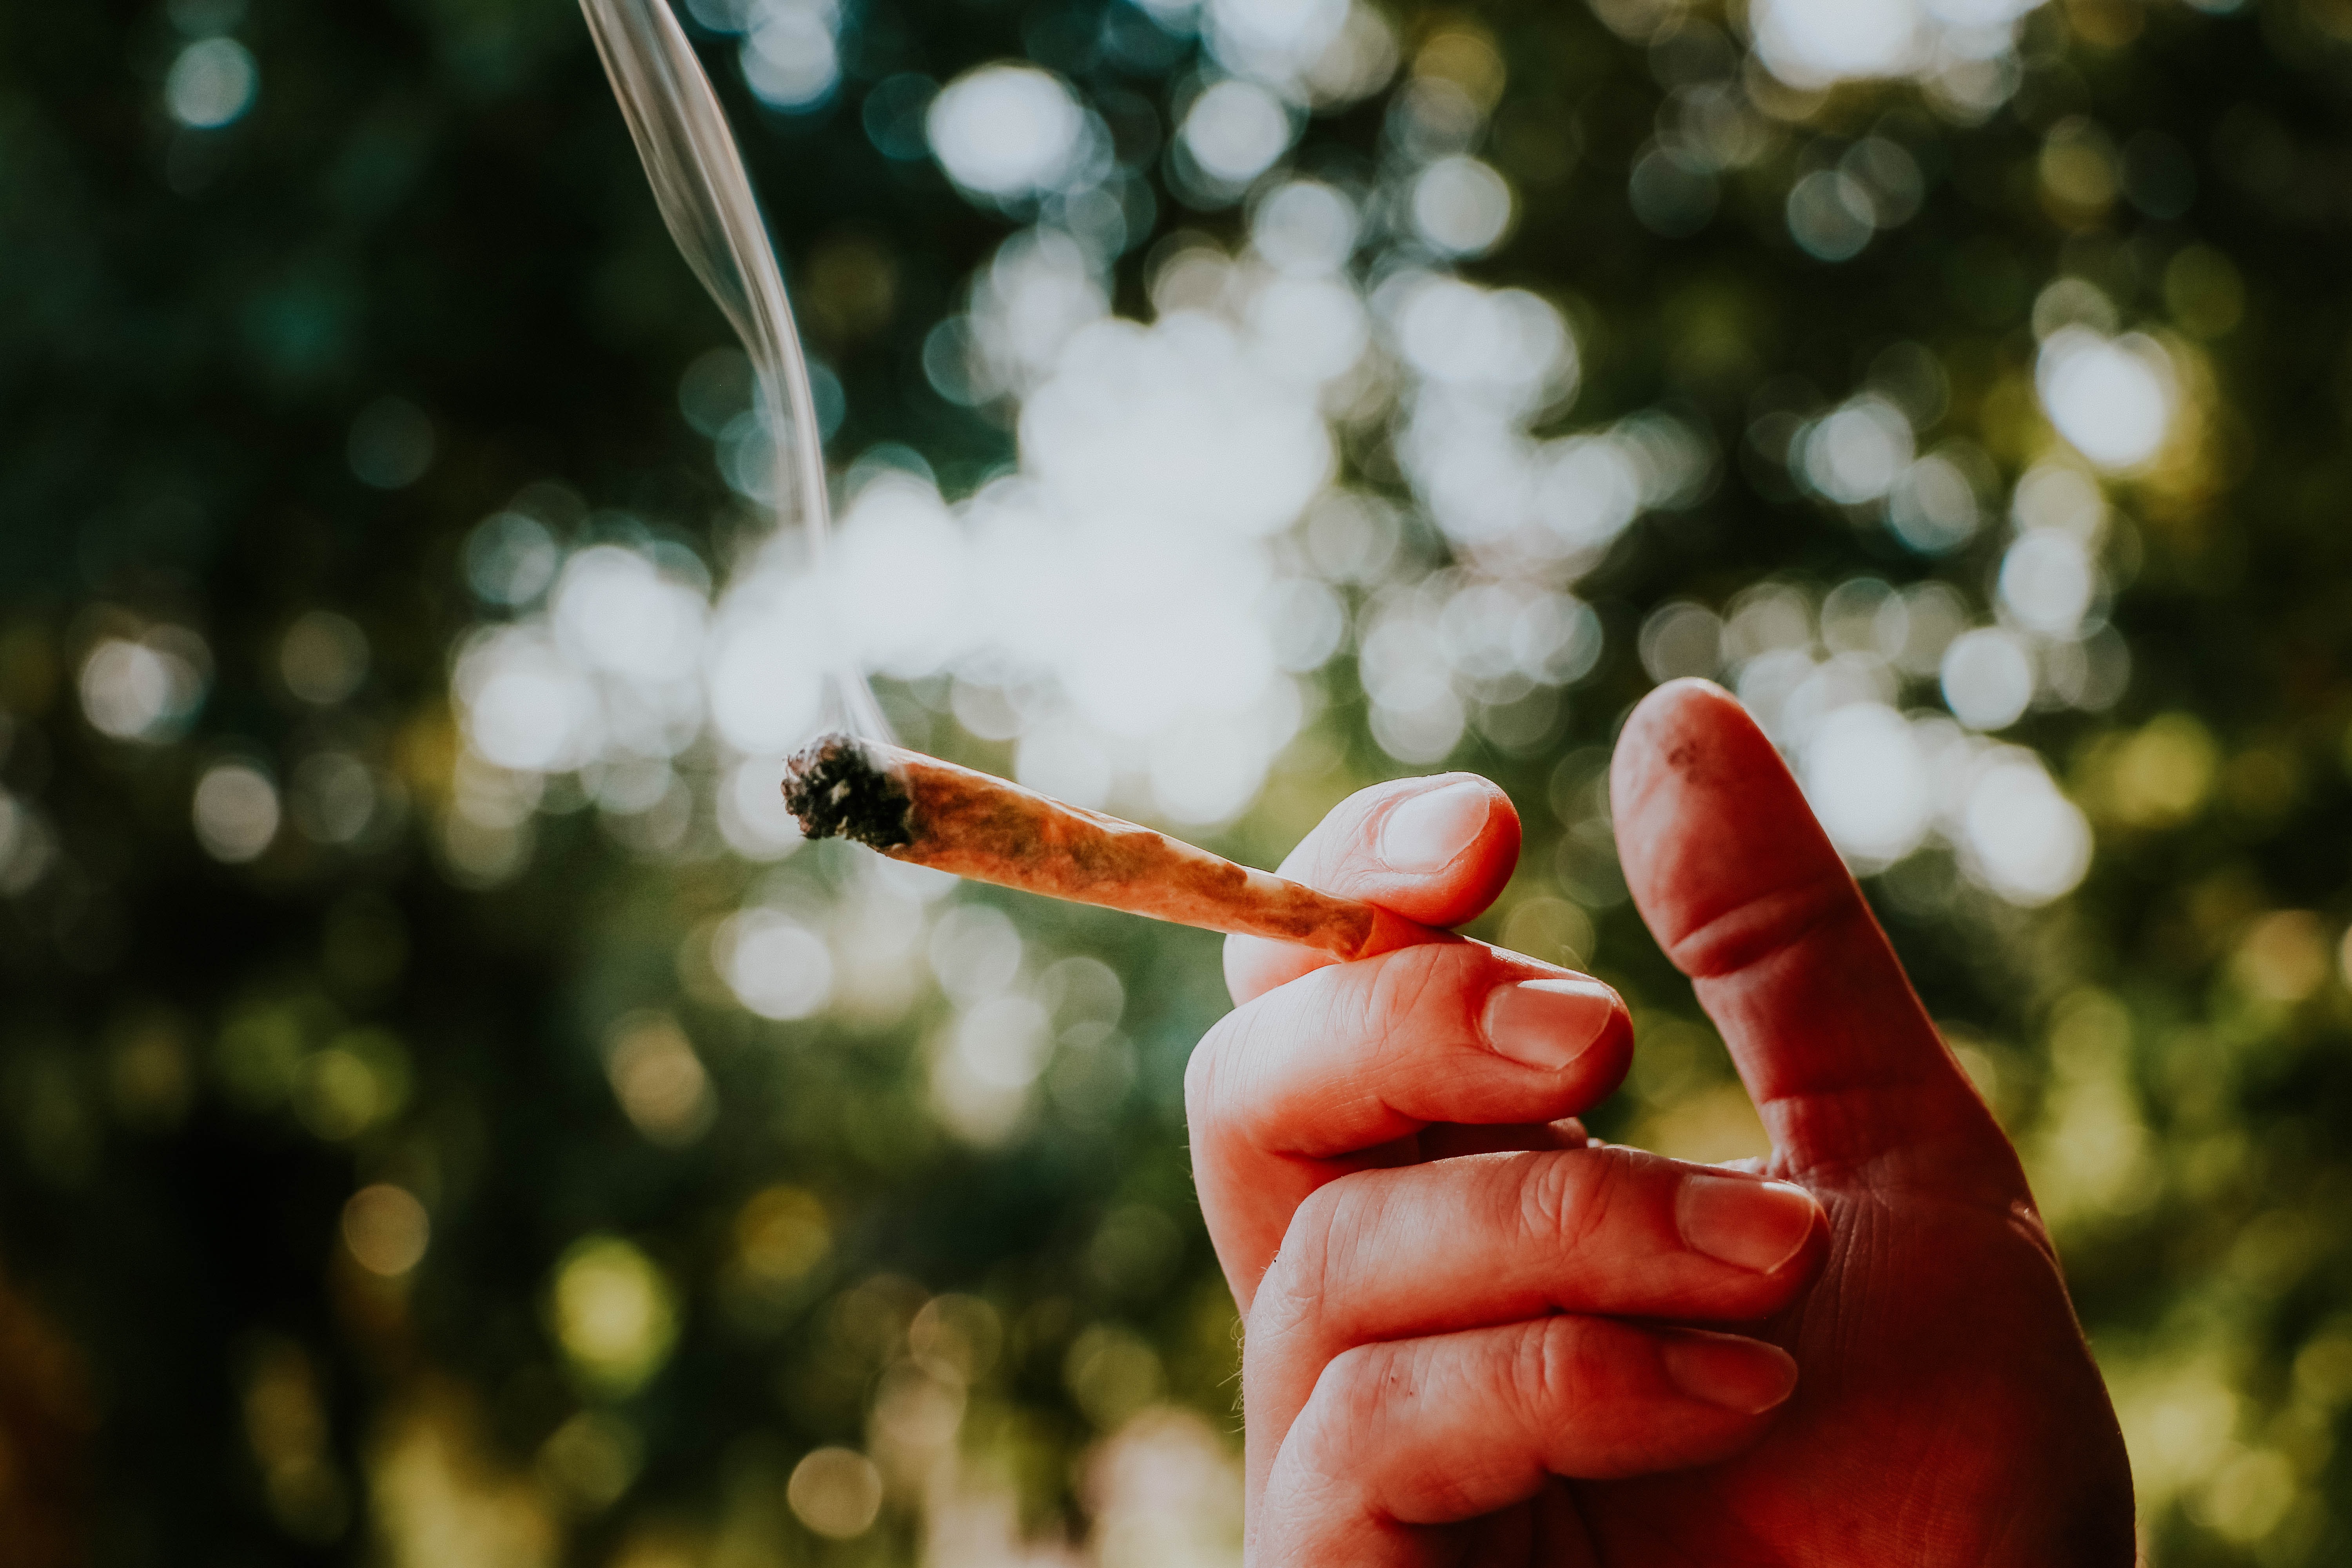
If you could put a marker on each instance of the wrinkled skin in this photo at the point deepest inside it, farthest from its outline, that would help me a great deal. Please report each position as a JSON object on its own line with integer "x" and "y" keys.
{"x": 1462, "y": 1321}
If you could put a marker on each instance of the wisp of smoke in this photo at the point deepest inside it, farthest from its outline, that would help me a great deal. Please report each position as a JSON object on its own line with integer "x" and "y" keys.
{"x": 706, "y": 199}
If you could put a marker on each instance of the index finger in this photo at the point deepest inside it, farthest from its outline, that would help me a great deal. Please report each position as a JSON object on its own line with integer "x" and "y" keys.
{"x": 1746, "y": 894}
{"x": 1436, "y": 850}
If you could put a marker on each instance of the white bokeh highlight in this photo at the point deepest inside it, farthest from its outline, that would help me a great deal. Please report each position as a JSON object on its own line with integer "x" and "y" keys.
{"x": 2112, "y": 398}
{"x": 1834, "y": 681}
{"x": 211, "y": 83}
{"x": 1006, "y": 131}
{"x": 235, "y": 811}
{"x": 1235, "y": 130}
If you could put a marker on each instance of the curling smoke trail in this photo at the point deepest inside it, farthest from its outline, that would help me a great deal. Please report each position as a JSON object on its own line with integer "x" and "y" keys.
{"x": 706, "y": 199}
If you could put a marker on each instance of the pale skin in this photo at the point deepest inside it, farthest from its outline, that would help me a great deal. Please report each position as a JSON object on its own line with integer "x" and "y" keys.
{"x": 1472, "y": 1337}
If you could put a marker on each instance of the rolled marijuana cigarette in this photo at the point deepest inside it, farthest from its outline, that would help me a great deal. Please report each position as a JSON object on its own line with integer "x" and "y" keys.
{"x": 926, "y": 812}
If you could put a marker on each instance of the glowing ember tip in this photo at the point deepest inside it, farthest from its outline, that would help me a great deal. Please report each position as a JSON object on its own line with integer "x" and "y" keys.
{"x": 837, "y": 785}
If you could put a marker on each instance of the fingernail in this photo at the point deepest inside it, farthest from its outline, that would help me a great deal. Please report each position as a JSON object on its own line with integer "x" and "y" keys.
{"x": 1749, "y": 1224}
{"x": 1730, "y": 1374}
{"x": 1547, "y": 1023}
{"x": 1427, "y": 832}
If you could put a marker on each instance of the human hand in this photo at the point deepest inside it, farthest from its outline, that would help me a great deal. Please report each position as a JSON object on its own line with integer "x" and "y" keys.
{"x": 1435, "y": 1365}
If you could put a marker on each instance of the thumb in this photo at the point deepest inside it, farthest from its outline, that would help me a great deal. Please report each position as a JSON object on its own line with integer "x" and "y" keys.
{"x": 1747, "y": 895}
{"x": 1436, "y": 850}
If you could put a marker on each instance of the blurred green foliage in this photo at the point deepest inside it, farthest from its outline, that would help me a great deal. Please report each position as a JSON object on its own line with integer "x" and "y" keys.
{"x": 326, "y": 1235}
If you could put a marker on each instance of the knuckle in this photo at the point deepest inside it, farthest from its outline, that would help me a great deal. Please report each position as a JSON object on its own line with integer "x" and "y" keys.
{"x": 1325, "y": 1234}
{"x": 1356, "y": 1390}
{"x": 1419, "y": 995}
{"x": 1384, "y": 1010}
{"x": 1349, "y": 1009}
{"x": 1545, "y": 1192}
{"x": 1767, "y": 924}
{"x": 1547, "y": 1377}
{"x": 1292, "y": 1292}
{"x": 1385, "y": 1016}
{"x": 1321, "y": 1463}
{"x": 1565, "y": 1197}
{"x": 1610, "y": 1172}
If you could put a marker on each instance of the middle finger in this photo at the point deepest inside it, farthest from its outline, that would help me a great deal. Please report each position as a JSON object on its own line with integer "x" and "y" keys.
{"x": 1297, "y": 1087}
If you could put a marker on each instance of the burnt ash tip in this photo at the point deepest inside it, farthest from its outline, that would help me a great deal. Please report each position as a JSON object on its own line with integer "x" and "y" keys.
{"x": 834, "y": 785}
